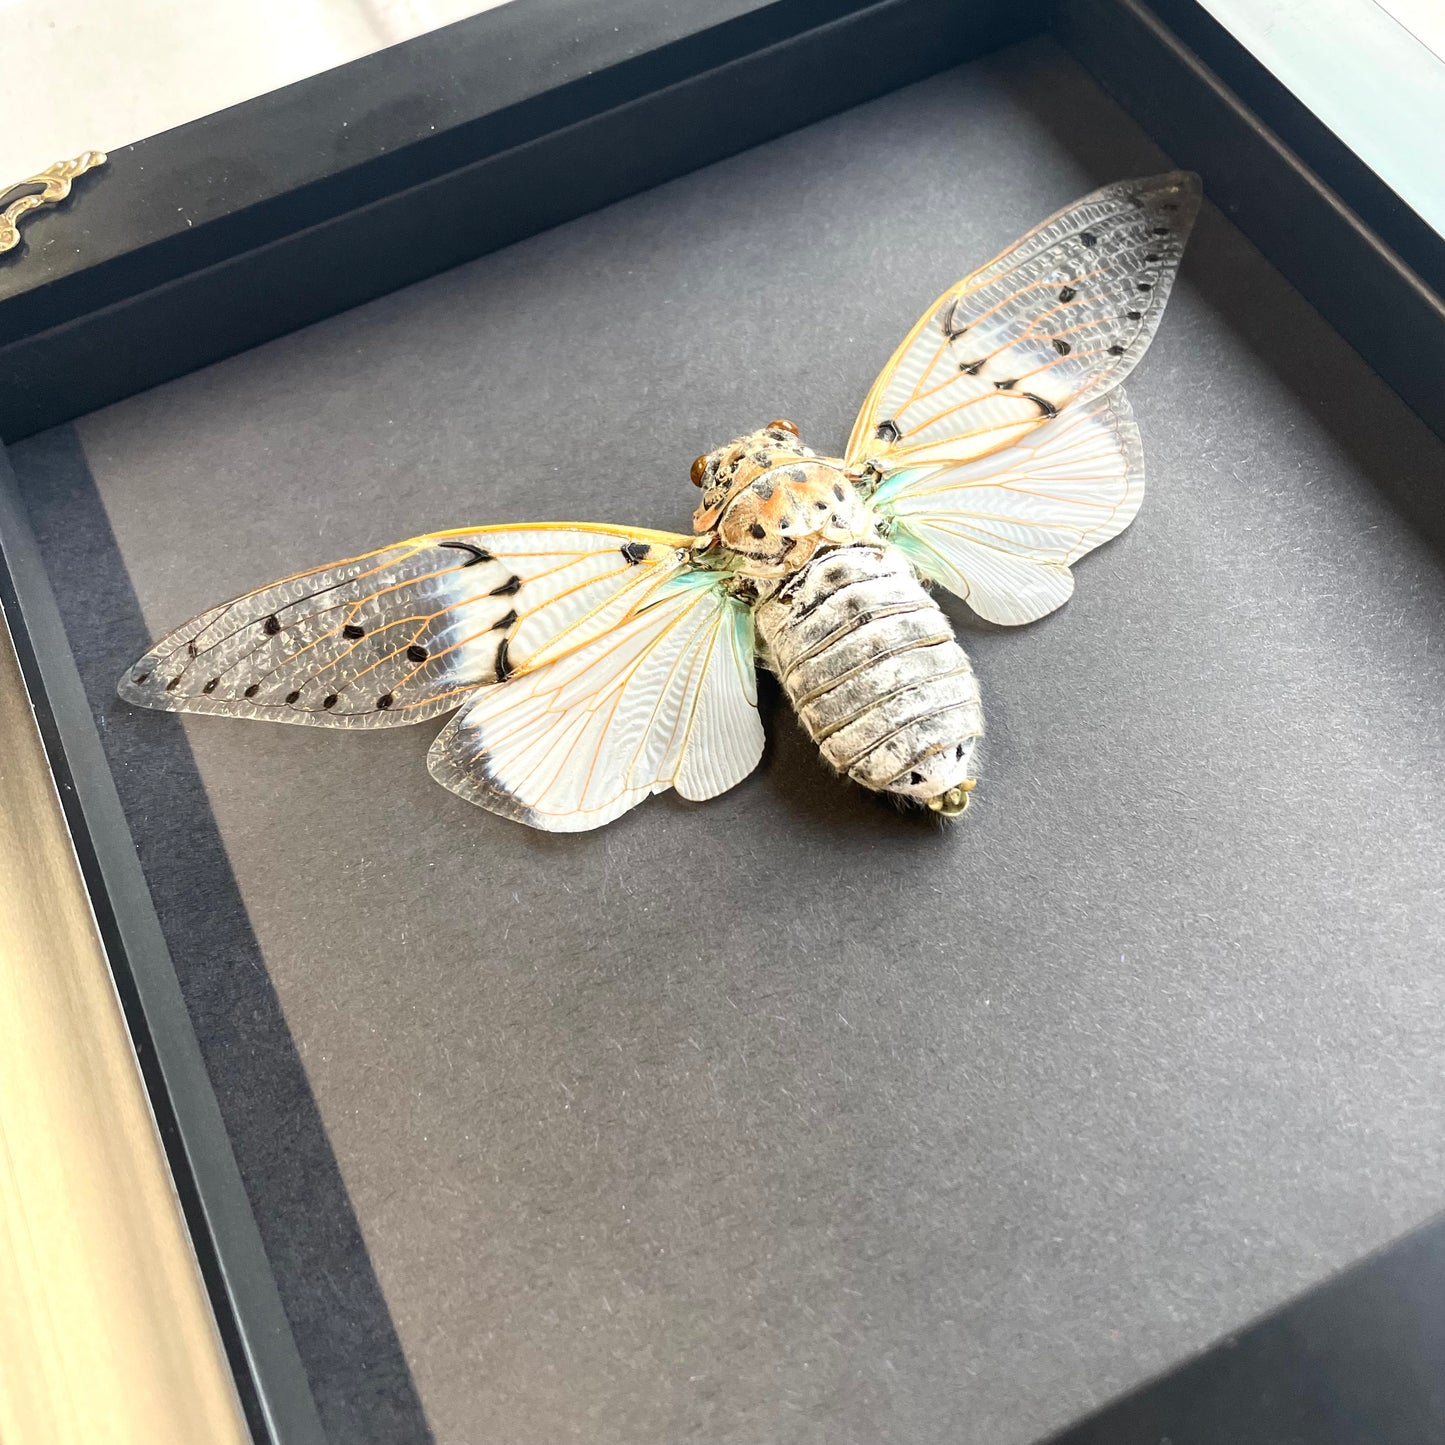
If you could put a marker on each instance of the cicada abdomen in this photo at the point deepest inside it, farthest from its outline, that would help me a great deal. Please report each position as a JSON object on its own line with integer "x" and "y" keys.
{"x": 876, "y": 675}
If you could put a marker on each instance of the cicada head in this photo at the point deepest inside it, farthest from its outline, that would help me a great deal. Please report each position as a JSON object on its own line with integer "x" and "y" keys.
{"x": 726, "y": 471}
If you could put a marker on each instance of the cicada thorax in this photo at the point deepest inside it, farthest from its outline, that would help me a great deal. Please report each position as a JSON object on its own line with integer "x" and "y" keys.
{"x": 781, "y": 519}
{"x": 773, "y": 503}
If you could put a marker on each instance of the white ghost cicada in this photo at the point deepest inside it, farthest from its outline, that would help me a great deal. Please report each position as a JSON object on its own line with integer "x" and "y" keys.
{"x": 594, "y": 666}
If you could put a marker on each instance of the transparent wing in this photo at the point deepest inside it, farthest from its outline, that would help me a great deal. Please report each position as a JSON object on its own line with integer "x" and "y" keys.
{"x": 405, "y": 633}
{"x": 1002, "y": 531}
{"x": 1064, "y": 315}
{"x": 666, "y": 699}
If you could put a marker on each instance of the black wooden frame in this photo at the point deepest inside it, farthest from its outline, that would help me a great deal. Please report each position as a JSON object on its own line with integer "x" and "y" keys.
{"x": 204, "y": 241}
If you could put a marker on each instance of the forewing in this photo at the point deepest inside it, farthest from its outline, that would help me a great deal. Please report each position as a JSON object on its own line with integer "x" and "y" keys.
{"x": 405, "y": 633}
{"x": 1002, "y": 531}
{"x": 667, "y": 698}
{"x": 1064, "y": 315}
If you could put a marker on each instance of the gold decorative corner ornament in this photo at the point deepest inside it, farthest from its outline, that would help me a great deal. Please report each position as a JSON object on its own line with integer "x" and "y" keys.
{"x": 54, "y": 184}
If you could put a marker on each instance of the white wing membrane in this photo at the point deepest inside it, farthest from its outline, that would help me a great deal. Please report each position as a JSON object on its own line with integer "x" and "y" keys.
{"x": 404, "y": 633}
{"x": 1003, "y": 531}
{"x": 1064, "y": 315}
{"x": 667, "y": 698}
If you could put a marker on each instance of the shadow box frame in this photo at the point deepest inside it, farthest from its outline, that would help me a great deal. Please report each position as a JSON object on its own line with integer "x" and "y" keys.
{"x": 468, "y": 139}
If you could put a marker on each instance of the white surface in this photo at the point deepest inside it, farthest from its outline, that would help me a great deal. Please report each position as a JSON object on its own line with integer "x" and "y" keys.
{"x": 1424, "y": 19}
{"x": 84, "y": 75}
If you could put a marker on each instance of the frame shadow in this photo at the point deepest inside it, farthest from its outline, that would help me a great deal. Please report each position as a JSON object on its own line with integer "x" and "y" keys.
{"x": 359, "y": 1376}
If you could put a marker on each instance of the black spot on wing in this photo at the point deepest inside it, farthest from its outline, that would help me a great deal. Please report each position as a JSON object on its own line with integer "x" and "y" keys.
{"x": 634, "y": 552}
{"x": 475, "y": 554}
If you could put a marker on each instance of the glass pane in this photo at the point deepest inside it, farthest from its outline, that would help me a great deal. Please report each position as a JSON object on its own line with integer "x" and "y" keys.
{"x": 1372, "y": 73}
{"x": 82, "y": 76}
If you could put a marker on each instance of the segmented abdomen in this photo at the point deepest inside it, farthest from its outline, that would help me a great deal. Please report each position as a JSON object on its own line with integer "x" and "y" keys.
{"x": 871, "y": 666}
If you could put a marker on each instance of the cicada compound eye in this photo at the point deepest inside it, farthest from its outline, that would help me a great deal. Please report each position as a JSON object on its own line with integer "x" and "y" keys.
{"x": 787, "y": 426}
{"x": 699, "y": 470}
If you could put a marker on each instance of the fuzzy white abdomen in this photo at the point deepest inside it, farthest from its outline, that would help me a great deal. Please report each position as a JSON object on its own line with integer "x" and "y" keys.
{"x": 871, "y": 665}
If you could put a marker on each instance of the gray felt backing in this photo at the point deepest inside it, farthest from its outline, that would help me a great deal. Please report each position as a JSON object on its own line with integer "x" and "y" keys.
{"x": 788, "y": 1118}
